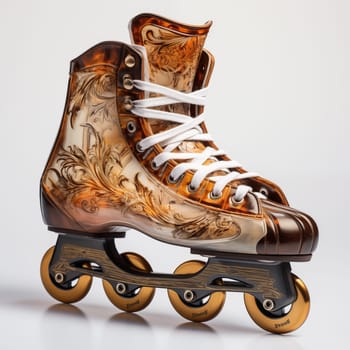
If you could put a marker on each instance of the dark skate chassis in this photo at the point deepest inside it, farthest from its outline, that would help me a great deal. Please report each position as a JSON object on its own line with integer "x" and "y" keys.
{"x": 276, "y": 300}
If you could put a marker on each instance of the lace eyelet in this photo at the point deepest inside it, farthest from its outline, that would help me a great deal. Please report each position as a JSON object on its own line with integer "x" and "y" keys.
{"x": 128, "y": 104}
{"x": 154, "y": 166}
{"x": 215, "y": 196}
{"x": 128, "y": 84}
{"x": 171, "y": 179}
{"x": 131, "y": 127}
{"x": 139, "y": 148}
{"x": 235, "y": 202}
{"x": 264, "y": 191}
{"x": 130, "y": 61}
{"x": 191, "y": 188}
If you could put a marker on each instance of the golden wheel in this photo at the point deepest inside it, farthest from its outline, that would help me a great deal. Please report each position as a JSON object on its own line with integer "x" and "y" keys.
{"x": 190, "y": 307}
{"x": 137, "y": 298}
{"x": 284, "y": 320}
{"x": 69, "y": 292}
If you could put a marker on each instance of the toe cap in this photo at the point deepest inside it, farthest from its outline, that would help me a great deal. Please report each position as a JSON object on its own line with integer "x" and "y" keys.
{"x": 289, "y": 231}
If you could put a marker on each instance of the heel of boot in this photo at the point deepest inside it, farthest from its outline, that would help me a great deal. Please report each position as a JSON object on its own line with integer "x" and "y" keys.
{"x": 53, "y": 217}
{"x": 57, "y": 221}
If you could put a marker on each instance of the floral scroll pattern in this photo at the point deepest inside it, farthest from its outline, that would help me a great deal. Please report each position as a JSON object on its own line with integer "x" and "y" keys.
{"x": 94, "y": 178}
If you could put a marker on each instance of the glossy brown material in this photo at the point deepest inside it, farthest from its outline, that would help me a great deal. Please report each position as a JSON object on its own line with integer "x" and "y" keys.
{"x": 99, "y": 182}
{"x": 145, "y": 19}
{"x": 93, "y": 182}
{"x": 173, "y": 49}
{"x": 96, "y": 179}
{"x": 176, "y": 59}
{"x": 288, "y": 231}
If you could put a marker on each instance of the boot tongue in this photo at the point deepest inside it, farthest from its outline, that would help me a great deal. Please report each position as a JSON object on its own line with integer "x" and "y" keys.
{"x": 173, "y": 51}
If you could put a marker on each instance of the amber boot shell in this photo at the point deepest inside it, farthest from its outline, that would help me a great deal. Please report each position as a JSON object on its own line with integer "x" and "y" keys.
{"x": 97, "y": 181}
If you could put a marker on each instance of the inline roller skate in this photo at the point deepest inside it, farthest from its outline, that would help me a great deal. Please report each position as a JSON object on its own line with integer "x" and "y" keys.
{"x": 133, "y": 152}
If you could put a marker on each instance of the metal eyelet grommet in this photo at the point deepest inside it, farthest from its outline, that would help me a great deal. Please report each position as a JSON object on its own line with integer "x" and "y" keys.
{"x": 171, "y": 179}
{"x": 128, "y": 82}
{"x": 154, "y": 165}
{"x": 215, "y": 196}
{"x": 264, "y": 191}
{"x": 128, "y": 104}
{"x": 235, "y": 202}
{"x": 131, "y": 127}
{"x": 130, "y": 61}
{"x": 191, "y": 188}
{"x": 139, "y": 148}
{"x": 268, "y": 304}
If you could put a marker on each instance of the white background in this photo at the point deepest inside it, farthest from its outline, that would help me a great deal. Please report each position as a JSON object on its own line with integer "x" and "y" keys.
{"x": 279, "y": 103}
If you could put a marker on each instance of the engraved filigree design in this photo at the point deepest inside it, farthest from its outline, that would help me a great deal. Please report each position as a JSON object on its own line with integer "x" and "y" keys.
{"x": 93, "y": 176}
{"x": 173, "y": 57}
{"x": 87, "y": 180}
{"x": 209, "y": 226}
{"x": 95, "y": 180}
{"x": 173, "y": 60}
{"x": 98, "y": 88}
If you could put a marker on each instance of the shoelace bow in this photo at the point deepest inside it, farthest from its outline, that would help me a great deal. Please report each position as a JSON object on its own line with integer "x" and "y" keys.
{"x": 188, "y": 129}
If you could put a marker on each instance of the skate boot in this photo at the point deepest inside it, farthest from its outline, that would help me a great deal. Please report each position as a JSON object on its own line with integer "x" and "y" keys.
{"x": 131, "y": 153}
{"x": 178, "y": 60}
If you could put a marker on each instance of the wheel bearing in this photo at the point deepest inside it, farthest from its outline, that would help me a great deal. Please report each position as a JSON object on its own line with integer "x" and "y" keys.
{"x": 268, "y": 304}
{"x": 59, "y": 277}
{"x": 120, "y": 288}
{"x": 188, "y": 295}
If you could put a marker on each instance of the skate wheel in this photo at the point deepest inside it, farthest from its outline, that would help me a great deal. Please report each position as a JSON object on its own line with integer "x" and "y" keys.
{"x": 199, "y": 310}
{"x": 136, "y": 299}
{"x": 285, "y": 320}
{"x": 69, "y": 292}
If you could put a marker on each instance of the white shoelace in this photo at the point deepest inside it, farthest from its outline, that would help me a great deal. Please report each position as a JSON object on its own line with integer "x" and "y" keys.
{"x": 188, "y": 129}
